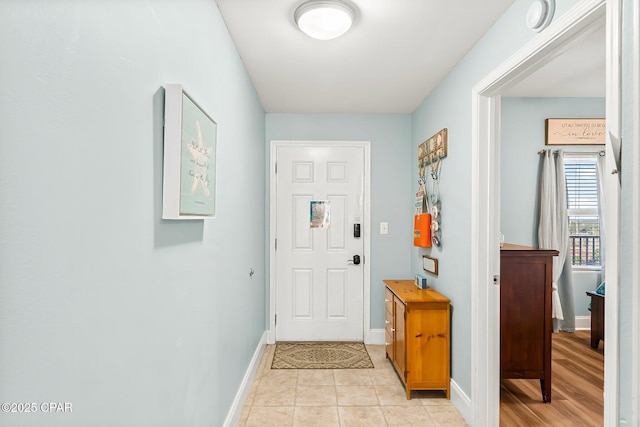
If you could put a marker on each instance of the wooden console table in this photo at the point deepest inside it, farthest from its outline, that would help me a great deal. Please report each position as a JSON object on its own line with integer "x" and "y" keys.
{"x": 417, "y": 335}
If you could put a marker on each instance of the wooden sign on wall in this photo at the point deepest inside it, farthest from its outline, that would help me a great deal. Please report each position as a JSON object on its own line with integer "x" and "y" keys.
{"x": 575, "y": 131}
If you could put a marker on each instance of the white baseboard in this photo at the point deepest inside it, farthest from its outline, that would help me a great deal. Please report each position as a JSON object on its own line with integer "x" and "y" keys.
{"x": 243, "y": 391}
{"x": 583, "y": 323}
{"x": 461, "y": 401}
{"x": 376, "y": 337}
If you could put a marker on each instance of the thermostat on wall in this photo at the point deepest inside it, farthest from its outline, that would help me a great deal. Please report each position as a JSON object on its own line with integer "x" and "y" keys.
{"x": 430, "y": 265}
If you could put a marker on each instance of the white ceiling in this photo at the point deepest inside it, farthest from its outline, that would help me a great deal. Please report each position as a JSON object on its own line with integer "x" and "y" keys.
{"x": 577, "y": 70}
{"x": 393, "y": 57}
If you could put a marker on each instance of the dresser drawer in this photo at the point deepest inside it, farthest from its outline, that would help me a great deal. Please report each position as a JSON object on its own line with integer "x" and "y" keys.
{"x": 388, "y": 325}
{"x": 388, "y": 343}
{"x": 388, "y": 303}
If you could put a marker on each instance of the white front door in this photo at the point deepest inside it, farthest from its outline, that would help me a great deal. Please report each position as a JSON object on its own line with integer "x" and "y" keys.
{"x": 319, "y": 200}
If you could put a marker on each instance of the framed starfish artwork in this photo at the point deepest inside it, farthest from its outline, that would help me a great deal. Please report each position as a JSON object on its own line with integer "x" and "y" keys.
{"x": 189, "y": 178}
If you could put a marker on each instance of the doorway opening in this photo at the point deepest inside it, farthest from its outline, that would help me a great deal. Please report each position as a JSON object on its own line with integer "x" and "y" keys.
{"x": 485, "y": 251}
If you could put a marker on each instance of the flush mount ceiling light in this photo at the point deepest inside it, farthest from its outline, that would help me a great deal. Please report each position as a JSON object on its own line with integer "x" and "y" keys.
{"x": 325, "y": 19}
{"x": 540, "y": 14}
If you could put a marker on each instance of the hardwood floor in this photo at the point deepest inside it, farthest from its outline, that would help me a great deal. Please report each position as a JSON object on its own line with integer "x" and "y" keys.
{"x": 577, "y": 378}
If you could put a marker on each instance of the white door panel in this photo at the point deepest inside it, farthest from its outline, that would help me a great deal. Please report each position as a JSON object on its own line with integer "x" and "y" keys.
{"x": 319, "y": 292}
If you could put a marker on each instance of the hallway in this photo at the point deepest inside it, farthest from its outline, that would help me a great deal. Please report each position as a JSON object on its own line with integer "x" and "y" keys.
{"x": 341, "y": 397}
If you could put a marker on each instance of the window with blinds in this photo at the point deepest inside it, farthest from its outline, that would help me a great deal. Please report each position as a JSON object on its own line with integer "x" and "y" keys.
{"x": 582, "y": 208}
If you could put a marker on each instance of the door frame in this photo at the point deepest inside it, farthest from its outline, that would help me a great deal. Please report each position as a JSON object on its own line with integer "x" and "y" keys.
{"x": 485, "y": 204}
{"x": 635, "y": 217}
{"x": 366, "y": 229}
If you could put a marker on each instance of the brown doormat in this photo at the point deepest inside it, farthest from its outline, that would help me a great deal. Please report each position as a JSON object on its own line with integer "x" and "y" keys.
{"x": 321, "y": 355}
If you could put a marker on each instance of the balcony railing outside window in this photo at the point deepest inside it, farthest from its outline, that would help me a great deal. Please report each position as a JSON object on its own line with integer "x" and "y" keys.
{"x": 585, "y": 250}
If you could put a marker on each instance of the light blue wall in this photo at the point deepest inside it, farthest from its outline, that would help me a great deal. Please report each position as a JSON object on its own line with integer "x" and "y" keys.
{"x": 523, "y": 135}
{"x": 449, "y": 106}
{"x": 390, "y": 184}
{"x": 134, "y": 320}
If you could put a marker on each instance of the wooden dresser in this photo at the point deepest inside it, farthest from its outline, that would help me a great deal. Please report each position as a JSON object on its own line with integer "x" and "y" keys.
{"x": 417, "y": 340}
{"x": 525, "y": 314}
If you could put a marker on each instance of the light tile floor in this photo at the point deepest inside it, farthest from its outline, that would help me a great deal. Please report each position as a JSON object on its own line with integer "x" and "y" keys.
{"x": 341, "y": 397}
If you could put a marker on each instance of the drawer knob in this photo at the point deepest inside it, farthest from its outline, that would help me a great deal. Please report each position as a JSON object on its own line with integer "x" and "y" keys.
{"x": 386, "y": 322}
{"x": 387, "y": 300}
{"x": 393, "y": 330}
{"x": 386, "y": 344}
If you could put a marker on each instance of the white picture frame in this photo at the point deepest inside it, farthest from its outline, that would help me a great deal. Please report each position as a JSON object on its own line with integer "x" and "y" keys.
{"x": 189, "y": 169}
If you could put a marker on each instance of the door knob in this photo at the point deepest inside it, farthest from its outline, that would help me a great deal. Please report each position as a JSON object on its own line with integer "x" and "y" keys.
{"x": 355, "y": 260}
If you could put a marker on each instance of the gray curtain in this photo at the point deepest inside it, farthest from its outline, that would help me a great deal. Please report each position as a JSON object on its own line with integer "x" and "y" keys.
{"x": 553, "y": 233}
{"x": 601, "y": 209}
